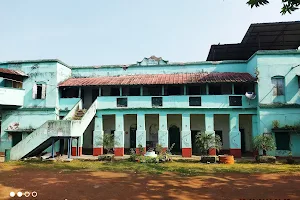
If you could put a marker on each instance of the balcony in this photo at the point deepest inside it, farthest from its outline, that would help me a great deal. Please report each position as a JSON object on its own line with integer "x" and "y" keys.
{"x": 178, "y": 101}
{"x": 11, "y": 96}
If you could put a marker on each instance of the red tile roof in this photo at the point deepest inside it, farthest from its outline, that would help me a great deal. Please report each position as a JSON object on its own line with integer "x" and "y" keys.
{"x": 9, "y": 71}
{"x": 159, "y": 79}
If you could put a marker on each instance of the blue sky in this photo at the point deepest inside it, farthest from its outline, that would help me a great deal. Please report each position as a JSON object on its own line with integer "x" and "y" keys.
{"x": 96, "y": 32}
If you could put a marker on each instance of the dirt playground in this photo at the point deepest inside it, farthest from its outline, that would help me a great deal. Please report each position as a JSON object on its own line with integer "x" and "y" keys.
{"x": 70, "y": 185}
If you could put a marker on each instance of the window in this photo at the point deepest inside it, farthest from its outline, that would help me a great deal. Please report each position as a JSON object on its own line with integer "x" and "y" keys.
{"x": 214, "y": 89}
{"x": 152, "y": 90}
{"x": 39, "y": 91}
{"x": 70, "y": 92}
{"x": 196, "y": 90}
{"x": 242, "y": 88}
{"x": 115, "y": 91}
{"x": 121, "y": 102}
{"x": 282, "y": 140}
{"x": 134, "y": 91}
{"x": 235, "y": 101}
{"x": 157, "y": 101}
{"x": 195, "y": 101}
{"x": 278, "y": 85}
{"x": 173, "y": 90}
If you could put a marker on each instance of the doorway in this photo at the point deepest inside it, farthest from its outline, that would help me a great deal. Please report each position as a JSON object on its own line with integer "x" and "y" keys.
{"x": 16, "y": 138}
{"x": 195, "y": 149}
{"x": 133, "y": 136}
{"x": 243, "y": 146}
{"x": 174, "y": 137}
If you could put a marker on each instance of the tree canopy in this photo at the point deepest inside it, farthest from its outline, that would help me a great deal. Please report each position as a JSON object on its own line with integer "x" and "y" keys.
{"x": 288, "y": 5}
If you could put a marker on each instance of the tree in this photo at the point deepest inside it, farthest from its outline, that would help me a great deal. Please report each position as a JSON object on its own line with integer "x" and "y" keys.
{"x": 288, "y": 5}
{"x": 108, "y": 142}
{"x": 208, "y": 141}
{"x": 265, "y": 142}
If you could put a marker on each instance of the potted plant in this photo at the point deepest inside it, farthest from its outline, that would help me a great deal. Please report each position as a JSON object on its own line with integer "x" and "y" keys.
{"x": 264, "y": 142}
{"x": 108, "y": 145}
{"x": 206, "y": 141}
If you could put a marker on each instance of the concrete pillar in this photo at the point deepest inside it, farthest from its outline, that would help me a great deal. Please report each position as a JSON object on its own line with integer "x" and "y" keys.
{"x": 119, "y": 135}
{"x": 79, "y": 92}
{"x": 140, "y": 132}
{"x": 98, "y": 136}
{"x": 255, "y": 132}
{"x": 234, "y": 136}
{"x": 186, "y": 138}
{"x": 141, "y": 90}
{"x": 209, "y": 129}
{"x": 77, "y": 143}
{"x": 163, "y": 137}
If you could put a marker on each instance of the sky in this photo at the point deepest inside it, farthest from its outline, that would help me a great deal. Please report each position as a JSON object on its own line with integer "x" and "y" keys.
{"x": 98, "y": 32}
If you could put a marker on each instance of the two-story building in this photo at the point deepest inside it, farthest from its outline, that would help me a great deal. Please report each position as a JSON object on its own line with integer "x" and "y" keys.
{"x": 242, "y": 90}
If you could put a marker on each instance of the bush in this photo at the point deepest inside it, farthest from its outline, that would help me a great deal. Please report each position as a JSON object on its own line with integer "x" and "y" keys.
{"x": 265, "y": 159}
{"x": 106, "y": 157}
{"x": 133, "y": 155}
{"x": 145, "y": 159}
{"x": 206, "y": 141}
{"x": 265, "y": 142}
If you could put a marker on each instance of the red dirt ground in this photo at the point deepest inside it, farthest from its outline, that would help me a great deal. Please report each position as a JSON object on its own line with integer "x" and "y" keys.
{"x": 82, "y": 185}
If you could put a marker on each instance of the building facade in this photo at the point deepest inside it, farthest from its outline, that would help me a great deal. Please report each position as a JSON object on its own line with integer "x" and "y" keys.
{"x": 237, "y": 95}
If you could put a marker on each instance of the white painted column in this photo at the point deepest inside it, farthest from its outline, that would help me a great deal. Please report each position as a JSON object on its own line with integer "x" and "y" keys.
{"x": 209, "y": 129}
{"x": 234, "y": 135}
{"x": 98, "y": 136}
{"x": 141, "y": 132}
{"x": 186, "y": 138}
{"x": 163, "y": 137}
{"x": 119, "y": 135}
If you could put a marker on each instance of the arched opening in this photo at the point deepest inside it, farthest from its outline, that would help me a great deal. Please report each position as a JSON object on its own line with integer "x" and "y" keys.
{"x": 174, "y": 138}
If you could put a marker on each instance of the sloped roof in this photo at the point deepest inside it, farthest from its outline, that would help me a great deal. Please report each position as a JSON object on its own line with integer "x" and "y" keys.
{"x": 160, "y": 79}
{"x": 13, "y": 72}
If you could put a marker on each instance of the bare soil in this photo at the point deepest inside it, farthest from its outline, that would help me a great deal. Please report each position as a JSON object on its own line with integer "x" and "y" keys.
{"x": 69, "y": 185}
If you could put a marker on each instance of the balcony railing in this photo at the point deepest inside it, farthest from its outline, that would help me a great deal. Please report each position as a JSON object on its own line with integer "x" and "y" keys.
{"x": 204, "y": 101}
{"x": 11, "y": 96}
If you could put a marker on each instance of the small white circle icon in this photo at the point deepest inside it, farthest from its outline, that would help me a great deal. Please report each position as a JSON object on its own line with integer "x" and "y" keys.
{"x": 12, "y": 194}
{"x": 19, "y": 194}
{"x": 26, "y": 194}
{"x": 34, "y": 194}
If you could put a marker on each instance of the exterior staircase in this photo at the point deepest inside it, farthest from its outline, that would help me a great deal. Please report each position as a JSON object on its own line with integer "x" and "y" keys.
{"x": 79, "y": 114}
{"x": 73, "y": 125}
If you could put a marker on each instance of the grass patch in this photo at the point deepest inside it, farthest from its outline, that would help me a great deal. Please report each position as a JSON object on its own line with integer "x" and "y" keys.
{"x": 181, "y": 168}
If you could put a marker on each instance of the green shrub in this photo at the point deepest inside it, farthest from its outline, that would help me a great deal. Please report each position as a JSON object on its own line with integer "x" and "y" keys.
{"x": 145, "y": 159}
{"x": 265, "y": 159}
{"x": 206, "y": 141}
{"x": 106, "y": 157}
{"x": 265, "y": 142}
{"x": 108, "y": 142}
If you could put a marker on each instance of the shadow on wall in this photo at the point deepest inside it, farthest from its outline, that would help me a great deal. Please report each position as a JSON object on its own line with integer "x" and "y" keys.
{"x": 292, "y": 91}
{"x": 114, "y": 185}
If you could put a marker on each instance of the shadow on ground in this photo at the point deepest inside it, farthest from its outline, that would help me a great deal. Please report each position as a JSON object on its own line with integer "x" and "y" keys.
{"x": 60, "y": 184}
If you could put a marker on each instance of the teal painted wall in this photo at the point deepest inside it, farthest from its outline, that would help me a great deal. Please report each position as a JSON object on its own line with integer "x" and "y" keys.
{"x": 49, "y": 73}
{"x": 162, "y": 69}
